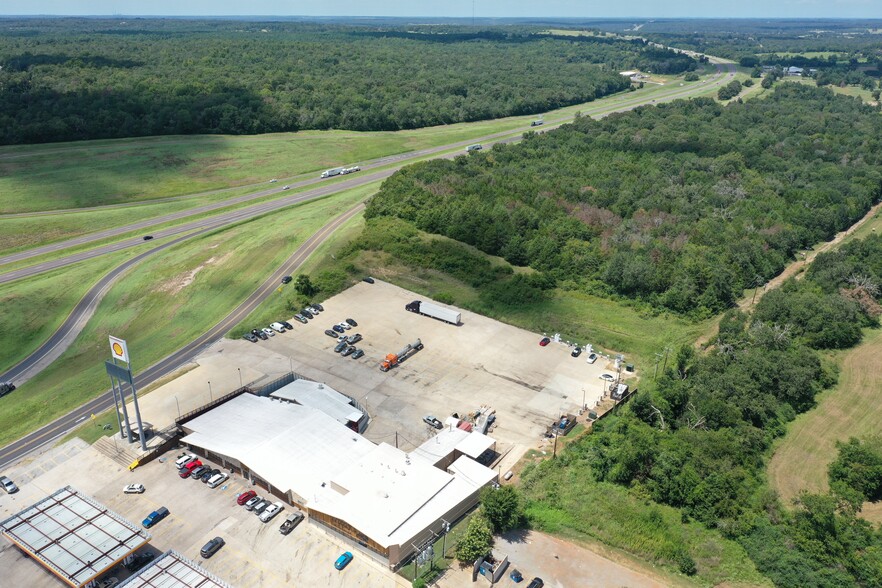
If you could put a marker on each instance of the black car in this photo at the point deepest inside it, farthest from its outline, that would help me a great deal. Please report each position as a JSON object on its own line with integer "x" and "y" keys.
{"x": 368, "y": 279}
{"x": 139, "y": 561}
{"x": 287, "y": 325}
{"x": 287, "y": 280}
{"x": 341, "y": 346}
{"x": 307, "y": 313}
{"x": 318, "y": 306}
{"x": 338, "y": 328}
{"x": 536, "y": 583}
{"x": 211, "y": 547}
{"x": 148, "y": 237}
{"x": 6, "y": 388}
{"x": 358, "y": 353}
{"x": 576, "y": 352}
{"x": 263, "y": 336}
{"x": 331, "y": 333}
{"x": 209, "y": 475}
{"x": 250, "y": 337}
{"x": 352, "y": 322}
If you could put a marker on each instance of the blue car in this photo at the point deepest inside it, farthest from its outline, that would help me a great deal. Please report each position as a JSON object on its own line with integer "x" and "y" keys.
{"x": 154, "y": 517}
{"x": 343, "y": 561}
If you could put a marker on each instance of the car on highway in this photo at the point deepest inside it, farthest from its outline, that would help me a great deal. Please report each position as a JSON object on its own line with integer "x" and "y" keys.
{"x": 352, "y": 322}
{"x": 6, "y": 388}
{"x": 576, "y": 352}
{"x": 432, "y": 421}
{"x": 252, "y": 501}
{"x": 287, "y": 325}
{"x": 346, "y": 326}
{"x": 607, "y": 377}
{"x": 273, "y": 181}
{"x": 154, "y": 517}
{"x": 348, "y": 351}
{"x": 218, "y": 480}
{"x": 286, "y": 187}
{"x": 353, "y": 339}
{"x": 287, "y": 280}
{"x": 357, "y": 354}
{"x": 338, "y": 328}
{"x": 268, "y": 332}
{"x": 211, "y": 547}
{"x": 134, "y": 489}
{"x": 544, "y": 341}
{"x": 8, "y": 485}
{"x": 301, "y": 318}
{"x": 340, "y": 346}
{"x": 148, "y": 237}
{"x": 343, "y": 560}
{"x": 245, "y": 497}
{"x": 277, "y": 327}
{"x": 271, "y": 511}
{"x": 250, "y": 337}
{"x": 140, "y": 560}
{"x": 368, "y": 279}
{"x": 592, "y": 357}
{"x": 331, "y": 333}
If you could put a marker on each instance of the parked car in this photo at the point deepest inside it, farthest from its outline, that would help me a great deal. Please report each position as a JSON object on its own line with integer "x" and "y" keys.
{"x": 184, "y": 459}
{"x": 287, "y": 280}
{"x": 341, "y": 338}
{"x": 536, "y": 583}
{"x": 318, "y": 306}
{"x": 287, "y": 325}
{"x": 196, "y": 473}
{"x": 292, "y": 521}
{"x": 260, "y": 506}
{"x": 134, "y": 489}
{"x": 217, "y": 480}
{"x": 607, "y": 377}
{"x": 544, "y": 341}
{"x": 576, "y": 352}
{"x": 249, "y": 505}
{"x": 268, "y": 332}
{"x": 140, "y": 560}
{"x": 271, "y": 511}
{"x": 108, "y": 582}
{"x": 338, "y": 328}
{"x": 516, "y": 576}
{"x": 432, "y": 421}
{"x": 352, "y": 322}
{"x": 331, "y": 333}
{"x": 209, "y": 474}
{"x": 259, "y": 333}
{"x": 343, "y": 560}
{"x": 154, "y": 517}
{"x": 368, "y": 279}
{"x": 245, "y": 497}
{"x": 185, "y": 471}
{"x": 348, "y": 351}
{"x": 277, "y": 327}
{"x": 211, "y": 547}
{"x": 307, "y": 313}
{"x": 301, "y": 318}
{"x": 357, "y": 354}
{"x": 340, "y": 346}
{"x": 346, "y": 326}
{"x": 314, "y": 309}
{"x": 353, "y": 339}
{"x": 250, "y": 337}
{"x": 8, "y": 485}
{"x": 592, "y": 357}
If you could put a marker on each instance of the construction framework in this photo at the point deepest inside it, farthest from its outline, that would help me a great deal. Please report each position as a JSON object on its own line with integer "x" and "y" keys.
{"x": 173, "y": 570}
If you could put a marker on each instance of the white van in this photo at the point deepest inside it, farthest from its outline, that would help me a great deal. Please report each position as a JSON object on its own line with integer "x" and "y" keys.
{"x": 278, "y": 327}
{"x": 184, "y": 460}
{"x": 217, "y": 479}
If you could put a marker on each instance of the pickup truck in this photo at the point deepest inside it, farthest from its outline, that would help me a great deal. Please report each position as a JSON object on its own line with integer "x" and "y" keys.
{"x": 292, "y": 521}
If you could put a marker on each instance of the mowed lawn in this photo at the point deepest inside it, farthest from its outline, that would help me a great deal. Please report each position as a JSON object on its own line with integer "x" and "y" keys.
{"x": 164, "y": 303}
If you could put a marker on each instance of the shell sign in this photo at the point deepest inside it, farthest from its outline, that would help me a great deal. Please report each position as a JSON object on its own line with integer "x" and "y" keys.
{"x": 118, "y": 349}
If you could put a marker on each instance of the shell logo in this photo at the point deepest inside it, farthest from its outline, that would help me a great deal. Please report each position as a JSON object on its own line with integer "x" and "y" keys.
{"x": 117, "y": 349}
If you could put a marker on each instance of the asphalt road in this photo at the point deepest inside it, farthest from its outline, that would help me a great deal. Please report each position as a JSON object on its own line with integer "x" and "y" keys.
{"x": 77, "y": 319}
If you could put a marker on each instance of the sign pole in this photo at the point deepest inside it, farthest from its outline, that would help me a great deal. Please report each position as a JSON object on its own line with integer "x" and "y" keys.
{"x": 116, "y": 404}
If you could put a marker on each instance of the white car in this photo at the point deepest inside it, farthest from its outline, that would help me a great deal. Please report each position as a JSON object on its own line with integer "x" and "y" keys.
{"x": 134, "y": 489}
{"x": 278, "y": 327}
{"x": 345, "y": 325}
{"x": 286, "y": 187}
{"x": 592, "y": 357}
{"x": 607, "y": 377}
{"x": 217, "y": 480}
{"x": 184, "y": 459}
{"x": 273, "y": 181}
{"x": 271, "y": 511}
{"x": 269, "y": 332}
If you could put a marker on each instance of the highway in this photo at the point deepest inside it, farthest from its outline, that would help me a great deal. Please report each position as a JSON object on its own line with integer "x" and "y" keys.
{"x": 80, "y": 315}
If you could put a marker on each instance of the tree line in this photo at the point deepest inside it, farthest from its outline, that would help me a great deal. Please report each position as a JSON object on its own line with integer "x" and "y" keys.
{"x": 71, "y": 79}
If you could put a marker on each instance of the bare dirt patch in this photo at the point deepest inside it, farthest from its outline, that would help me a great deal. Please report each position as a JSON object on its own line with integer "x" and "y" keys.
{"x": 181, "y": 281}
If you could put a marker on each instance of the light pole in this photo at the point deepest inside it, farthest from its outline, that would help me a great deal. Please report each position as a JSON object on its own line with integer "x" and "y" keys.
{"x": 210, "y": 397}
{"x": 240, "y": 376}
{"x": 178, "y": 404}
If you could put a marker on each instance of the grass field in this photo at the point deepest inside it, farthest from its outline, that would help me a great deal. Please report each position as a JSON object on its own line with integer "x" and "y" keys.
{"x": 163, "y": 304}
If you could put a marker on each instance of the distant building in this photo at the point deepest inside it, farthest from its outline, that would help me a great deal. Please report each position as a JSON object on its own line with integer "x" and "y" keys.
{"x": 793, "y": 71}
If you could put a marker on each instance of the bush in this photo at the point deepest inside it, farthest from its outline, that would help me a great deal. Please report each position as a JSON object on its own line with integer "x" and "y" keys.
{"x": 685, "y": 563}
{"x": 476, "y": 542}
{"x": 419, "y": 583}
{"x": 503, "y": 508}
{"x": 859, "y": 467}
{"x": 691, "y": 77}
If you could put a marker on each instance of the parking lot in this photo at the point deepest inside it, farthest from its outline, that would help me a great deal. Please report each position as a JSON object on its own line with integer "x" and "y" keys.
{"x": 255, "y": 554}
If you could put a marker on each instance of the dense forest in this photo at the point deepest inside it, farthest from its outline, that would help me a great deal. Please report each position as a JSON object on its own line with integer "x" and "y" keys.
{"x": 681, "y": 205}
{"x": 697, "y": 439}
{"x": 74, "y": 79}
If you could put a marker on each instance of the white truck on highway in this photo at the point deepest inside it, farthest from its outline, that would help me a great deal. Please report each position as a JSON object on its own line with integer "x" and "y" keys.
{"x": 330, "y": 173}
{"x": 435, "y": 311}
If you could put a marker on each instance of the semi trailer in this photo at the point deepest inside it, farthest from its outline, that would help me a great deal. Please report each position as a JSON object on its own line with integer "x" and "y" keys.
{"x": 435, "y": 311}
{"x": 394, "y": 359}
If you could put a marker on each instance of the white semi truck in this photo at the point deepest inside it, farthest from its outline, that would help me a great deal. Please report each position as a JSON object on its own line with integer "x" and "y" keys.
{"x": 435, "y": 311}
{"x": 330, "y": 173}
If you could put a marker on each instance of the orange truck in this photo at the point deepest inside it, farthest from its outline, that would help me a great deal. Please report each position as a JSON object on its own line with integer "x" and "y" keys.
{"x": 394, "y": 359}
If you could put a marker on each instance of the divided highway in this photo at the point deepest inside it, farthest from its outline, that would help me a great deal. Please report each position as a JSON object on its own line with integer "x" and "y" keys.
{"x": 75, "y": 322}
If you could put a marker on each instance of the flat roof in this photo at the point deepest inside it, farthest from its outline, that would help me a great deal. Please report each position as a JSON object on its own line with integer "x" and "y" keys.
{"x": 73, "y": 536}
{"x": 321, "y": 397}
{"x": 451, "y": 438}
{"x": 173, "y": 570}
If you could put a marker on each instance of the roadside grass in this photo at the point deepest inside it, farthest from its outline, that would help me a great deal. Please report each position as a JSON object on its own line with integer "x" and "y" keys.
{"x": 566, "y": 502}
{"x": 34, "y": 308}
{"x": 856, "y": 91}
{"x": 163, "y": 304}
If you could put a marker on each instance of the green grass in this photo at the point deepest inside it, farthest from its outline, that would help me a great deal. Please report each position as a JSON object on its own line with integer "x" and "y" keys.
{"x": 157, "y": 309}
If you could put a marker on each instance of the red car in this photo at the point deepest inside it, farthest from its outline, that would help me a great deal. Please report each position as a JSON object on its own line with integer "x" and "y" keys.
{"x": 188, "y": 469}
{"x": 545, "y": 341}
{"x": 245, "y": 497}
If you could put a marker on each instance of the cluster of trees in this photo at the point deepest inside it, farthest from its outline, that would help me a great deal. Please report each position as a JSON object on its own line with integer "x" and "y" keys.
{"x": 730, "y": 90}
{"x": 681, "y": 205}
{"x": 84, "y": 79}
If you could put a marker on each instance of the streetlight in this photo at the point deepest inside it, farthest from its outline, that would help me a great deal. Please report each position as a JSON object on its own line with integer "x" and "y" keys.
{"x": 179, "y": 406}
{"x": 210, "y": 397}
{"x": 240, "y": 376}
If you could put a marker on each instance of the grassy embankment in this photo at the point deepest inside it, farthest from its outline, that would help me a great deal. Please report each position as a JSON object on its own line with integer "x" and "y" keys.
{"x": 166, "y": 302}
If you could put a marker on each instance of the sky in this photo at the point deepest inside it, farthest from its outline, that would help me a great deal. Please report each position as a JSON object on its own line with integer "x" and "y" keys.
{"x": 457, "y": 8}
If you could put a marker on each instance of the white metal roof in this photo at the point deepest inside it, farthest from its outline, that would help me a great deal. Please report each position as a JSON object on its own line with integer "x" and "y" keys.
{"x": 321, "y": 397}
{"x": 173, "y": 570}
{"x": 451, "y": 438}
{"x": 474, "y": 444}
{"x": 74, "y": 536}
